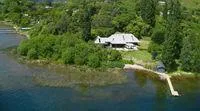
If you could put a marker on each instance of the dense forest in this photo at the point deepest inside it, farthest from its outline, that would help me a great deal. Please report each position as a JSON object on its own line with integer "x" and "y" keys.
{"x": 64, "y": 31}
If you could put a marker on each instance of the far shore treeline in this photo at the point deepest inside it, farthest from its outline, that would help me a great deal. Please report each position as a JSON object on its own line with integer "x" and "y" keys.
{"x": 64, "y": 31}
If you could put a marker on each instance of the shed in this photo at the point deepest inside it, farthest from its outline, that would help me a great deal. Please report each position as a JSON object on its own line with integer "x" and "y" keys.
{"x": 160, "y": 67}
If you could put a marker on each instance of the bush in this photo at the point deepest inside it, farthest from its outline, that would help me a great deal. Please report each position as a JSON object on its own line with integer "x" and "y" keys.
{"x": 23, "y": 48}
{"x": 68, "y": 56}
{"x": 69, "y": 49}
{"x": 32, "y": 54}
{"x": 115, "y": 55}
{"x": 93, "y": 61}
{"x": 79, "y": 60}
{"x": 154, "y": 47}
{"x": 46, "y": 46}
{"x": 158, "y": 37}
{"x": 112, "y": 64}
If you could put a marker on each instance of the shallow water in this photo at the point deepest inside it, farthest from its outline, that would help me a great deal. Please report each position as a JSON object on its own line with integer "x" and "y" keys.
{"x": 142, "y": 93}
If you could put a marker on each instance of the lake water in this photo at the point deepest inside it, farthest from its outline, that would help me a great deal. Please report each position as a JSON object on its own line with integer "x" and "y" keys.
{"x": 142, "y": 93}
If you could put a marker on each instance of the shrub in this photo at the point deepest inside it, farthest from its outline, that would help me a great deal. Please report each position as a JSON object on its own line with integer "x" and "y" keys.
{"x": 79, "y": 60}
{"x": 23, "y": 48}
{"x": 93, "y": 61}
{"x": 154, "y": 47}
{"x": 112, "y": 64}
{"x": 127, "y": 61}
{"x": 32, "y": 54}
{"x": 115, "y": 55}
{"x": 46, "y": 46}
{"x": 68, "y": 56}
{"x": 158, "y": 37}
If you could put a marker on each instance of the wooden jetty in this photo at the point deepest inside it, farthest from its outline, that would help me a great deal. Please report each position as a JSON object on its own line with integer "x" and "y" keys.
{"x": 162, "y": 75}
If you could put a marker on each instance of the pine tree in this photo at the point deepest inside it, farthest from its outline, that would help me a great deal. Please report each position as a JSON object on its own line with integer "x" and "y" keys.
{"x": 148, "y": 10}
{"x": 172, "y": 45}
{"x": 89, "y": 9}
{"x": 190, "y": 57}
{"x": 87, "y": 24}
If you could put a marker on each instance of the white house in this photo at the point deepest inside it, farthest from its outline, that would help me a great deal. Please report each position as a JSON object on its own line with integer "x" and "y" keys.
{"x": 118, "y": 40}
{"x": 162, "y": 2}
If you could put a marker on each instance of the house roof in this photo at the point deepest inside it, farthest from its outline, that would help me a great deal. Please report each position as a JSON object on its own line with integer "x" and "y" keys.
{"x": 122, "y": 38}
{"x": 160, "y": 65}
{"x": 118, "y": 38}
{"x": 101, "y": 40}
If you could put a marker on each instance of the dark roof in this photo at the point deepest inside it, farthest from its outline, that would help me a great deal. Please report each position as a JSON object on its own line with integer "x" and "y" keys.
{"x": 160, "y": 65}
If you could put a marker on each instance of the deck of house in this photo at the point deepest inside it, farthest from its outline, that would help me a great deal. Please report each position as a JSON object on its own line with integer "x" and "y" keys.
{"x": 162, "y": 75}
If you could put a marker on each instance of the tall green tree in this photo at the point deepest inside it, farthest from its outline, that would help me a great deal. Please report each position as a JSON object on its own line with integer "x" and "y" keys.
{"x": 190, "y": 57}
{"x": 87, "y": 24}
{"x": 172, "y": 44}
{"x": 148, "y": 11}
{"x": 89, "y": 9}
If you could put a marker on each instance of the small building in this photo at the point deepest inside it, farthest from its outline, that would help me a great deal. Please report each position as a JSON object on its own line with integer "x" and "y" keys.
{"x": 26, "y": 15}
{"x": 162, "y": 2}
{"x": 48, "y": 7}
{"x": 25, "y": 28}
{"x": 119, "y": 40}
{"x": 160, "y": 67}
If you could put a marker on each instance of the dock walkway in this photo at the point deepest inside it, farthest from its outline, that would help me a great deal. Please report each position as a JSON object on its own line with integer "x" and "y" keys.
{"x": 162, "y": 75}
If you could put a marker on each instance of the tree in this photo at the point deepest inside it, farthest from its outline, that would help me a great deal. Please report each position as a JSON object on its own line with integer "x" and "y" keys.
{"x": 190, "y": 57}
{"x": 87, "y": 25}
{"x": 158, "y": 36}
{"x": 89, "y": 10}
{"x": 138, "y": 27}
{"x": 172, "y": 45}
{"x": 121, "y": 21}
{"x": 115, "y": 55}
{"x": 147, "y": 11}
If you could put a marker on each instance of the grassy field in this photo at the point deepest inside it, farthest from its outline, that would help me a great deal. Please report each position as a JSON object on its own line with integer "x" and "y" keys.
{"x": 142, "y": 56}
{"x": 191, "y": 4}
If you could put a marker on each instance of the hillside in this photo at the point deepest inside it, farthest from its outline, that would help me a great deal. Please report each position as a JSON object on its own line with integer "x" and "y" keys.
{"x": 78, "y": 22}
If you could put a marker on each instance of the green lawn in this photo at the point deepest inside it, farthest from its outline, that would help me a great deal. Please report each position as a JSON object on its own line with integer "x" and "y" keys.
{"x": 144, "y": 43}
{"x": 142, "y": 56}
{"x": 191, "y": 4}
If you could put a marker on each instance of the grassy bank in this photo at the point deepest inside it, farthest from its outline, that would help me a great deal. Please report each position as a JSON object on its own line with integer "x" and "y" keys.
{"x": 184, "y": 73}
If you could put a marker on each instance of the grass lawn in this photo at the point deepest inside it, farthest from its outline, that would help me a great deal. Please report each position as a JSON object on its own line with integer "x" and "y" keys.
{"x": 144, "y": 43}
{"x": 142, "y": 56}
{"x": 191, "y": 4}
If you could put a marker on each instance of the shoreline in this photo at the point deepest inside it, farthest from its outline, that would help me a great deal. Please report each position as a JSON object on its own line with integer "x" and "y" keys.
{"x": 16, "y": 28}
{"x": 43, "y": 79}
{"x": 176, "y": 73}
{"x": 72, "y": 75}
{"x": 150, "y": 71}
